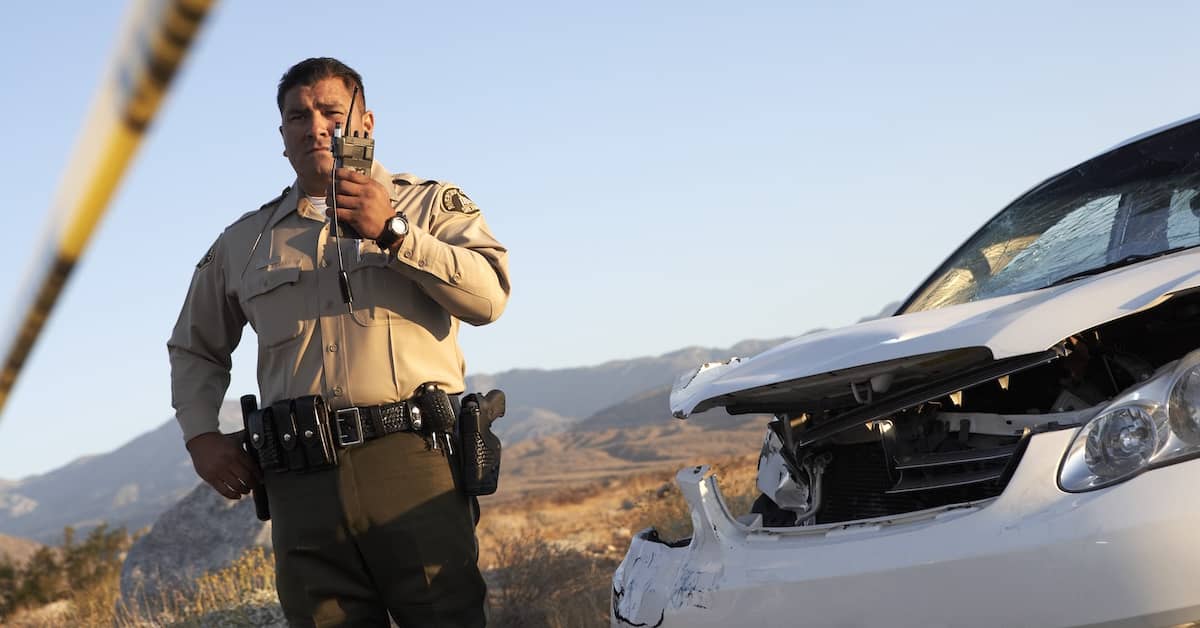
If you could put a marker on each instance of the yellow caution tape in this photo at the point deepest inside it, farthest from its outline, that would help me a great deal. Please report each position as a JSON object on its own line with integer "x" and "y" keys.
{"x": 153, "y": 46}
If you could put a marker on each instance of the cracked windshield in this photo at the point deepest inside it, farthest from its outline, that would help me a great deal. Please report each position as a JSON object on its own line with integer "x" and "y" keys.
{"x": 1068, "y": 227}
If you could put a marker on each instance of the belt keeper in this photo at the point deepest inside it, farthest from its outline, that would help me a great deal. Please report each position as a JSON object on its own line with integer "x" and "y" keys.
{"x": 375, "y": 416}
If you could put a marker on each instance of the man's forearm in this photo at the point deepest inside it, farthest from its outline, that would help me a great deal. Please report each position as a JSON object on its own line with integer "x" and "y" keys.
{"x": 463, "y": 281}
{"x": 197, "y": 390}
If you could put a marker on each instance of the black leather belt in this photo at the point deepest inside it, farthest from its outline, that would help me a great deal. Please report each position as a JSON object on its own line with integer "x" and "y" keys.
{"x": 303, "y": 434}
{"x": 358, "y": 424}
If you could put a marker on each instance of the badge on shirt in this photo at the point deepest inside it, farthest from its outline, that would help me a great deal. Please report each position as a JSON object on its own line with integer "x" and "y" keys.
{"x": 208, "y": 257}
{"x": 453, "y": 200}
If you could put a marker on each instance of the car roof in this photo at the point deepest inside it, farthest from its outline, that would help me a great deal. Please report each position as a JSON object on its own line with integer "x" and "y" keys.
{"x": 1155, "y": 131}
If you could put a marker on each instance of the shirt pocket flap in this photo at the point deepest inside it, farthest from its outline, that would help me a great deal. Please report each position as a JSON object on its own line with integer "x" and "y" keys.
{"x": 369, "y": 260}
{"x": 262, "y": 283}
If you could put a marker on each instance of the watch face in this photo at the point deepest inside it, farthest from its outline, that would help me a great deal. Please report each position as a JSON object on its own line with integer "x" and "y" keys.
{"x": 398, "y": 225}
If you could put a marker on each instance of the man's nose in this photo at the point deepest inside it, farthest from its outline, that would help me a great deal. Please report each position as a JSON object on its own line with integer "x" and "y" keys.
{"x": 320, "y": 127}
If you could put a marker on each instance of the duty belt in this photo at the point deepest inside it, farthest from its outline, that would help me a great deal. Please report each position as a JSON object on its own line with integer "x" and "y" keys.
{"x": 304, "y": 434}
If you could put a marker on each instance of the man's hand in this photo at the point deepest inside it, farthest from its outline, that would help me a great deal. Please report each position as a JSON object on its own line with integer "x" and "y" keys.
{"x": 221, "y": 461}
{"x": 362, "y": 203}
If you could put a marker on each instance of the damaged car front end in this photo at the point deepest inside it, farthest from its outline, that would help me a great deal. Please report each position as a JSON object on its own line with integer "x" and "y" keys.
{"x": 1018, "y": 446}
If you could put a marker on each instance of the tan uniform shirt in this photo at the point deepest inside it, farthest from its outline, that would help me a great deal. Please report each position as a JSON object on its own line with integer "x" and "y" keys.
{"x": 277, "y": 269}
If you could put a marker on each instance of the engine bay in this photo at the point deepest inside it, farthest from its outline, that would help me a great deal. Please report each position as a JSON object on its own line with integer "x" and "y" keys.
{"x": 956, "y": 437}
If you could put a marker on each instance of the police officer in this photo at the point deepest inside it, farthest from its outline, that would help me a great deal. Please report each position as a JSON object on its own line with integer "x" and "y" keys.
{"x": 385, "y": 530}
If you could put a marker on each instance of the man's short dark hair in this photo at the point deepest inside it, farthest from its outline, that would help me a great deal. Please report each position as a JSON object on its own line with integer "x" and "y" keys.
{"x": 309, "y": 72}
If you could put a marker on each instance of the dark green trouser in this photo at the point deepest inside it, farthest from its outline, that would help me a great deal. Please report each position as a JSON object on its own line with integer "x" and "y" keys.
{"x": 386, "y": 531}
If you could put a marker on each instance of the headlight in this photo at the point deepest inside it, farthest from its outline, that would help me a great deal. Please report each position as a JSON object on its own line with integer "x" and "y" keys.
{"x": 1185, "y": 406}
{"x": 1151, "y": 425}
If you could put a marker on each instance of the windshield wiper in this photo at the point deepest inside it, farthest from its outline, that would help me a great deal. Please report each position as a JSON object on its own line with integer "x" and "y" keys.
{"x": 1124, "y": 261}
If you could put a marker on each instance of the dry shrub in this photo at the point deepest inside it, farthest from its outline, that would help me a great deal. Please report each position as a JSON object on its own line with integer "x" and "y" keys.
{"x": 540, "y": 584}
{"x": 241, "y": 594}
{"x": 52, "y": 614}
{"x": 232, "y": 592}
{"x": 664, "y": 510}
{"x": 574, "y": 493}
{"x": 254, "y": 570}
{"x": 95, "y": 605}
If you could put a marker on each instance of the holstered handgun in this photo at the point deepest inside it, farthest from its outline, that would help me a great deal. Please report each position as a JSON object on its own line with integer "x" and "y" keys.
{"x": 480, "y": 446}
{"x": 256, "y": 439}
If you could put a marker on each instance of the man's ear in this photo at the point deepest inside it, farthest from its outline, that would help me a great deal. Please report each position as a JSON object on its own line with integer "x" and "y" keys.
{"x": 368, "y": 121}
{"x": 281, "y": 137}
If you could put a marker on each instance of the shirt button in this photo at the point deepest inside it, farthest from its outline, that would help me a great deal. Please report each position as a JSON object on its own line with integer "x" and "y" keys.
{"x": 337, "y": 391}
{"x": 408, "y": 254}
{"x": 421, "y": 263}
{"x": 333, "y": 348}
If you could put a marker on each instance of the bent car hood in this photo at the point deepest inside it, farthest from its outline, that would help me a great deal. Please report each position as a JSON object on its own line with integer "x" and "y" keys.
{"x": 955, "y": 337}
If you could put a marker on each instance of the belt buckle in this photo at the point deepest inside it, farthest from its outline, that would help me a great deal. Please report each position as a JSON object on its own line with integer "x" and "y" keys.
{"x": 348, "y": 422}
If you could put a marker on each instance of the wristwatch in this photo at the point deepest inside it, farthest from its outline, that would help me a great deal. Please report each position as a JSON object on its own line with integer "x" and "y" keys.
{"x": 394, "y": 230}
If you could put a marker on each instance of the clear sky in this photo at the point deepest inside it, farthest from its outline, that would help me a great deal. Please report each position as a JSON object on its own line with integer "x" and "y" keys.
{"x": 664, "y": 173}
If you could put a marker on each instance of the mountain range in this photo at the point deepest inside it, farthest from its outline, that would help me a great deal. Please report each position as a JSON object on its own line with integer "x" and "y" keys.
{"x": 133, "y": 484}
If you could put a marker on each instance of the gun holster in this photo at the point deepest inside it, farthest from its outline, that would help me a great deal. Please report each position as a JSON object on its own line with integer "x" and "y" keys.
{"x": 479, "y": 445}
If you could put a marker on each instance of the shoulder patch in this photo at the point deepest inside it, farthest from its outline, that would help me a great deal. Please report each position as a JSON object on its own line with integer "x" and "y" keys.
{"x": 453, "y": 200}
{"x": 208, "y": 257}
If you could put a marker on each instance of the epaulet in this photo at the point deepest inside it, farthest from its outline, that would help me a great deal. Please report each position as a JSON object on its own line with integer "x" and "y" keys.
{"x": 275, "y": 201}
{"x": 405, "y": 178}
{"x": 267, "y": 205}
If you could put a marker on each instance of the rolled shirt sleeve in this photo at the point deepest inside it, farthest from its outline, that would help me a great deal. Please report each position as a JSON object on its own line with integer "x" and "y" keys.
{"x": 457, "y": 261}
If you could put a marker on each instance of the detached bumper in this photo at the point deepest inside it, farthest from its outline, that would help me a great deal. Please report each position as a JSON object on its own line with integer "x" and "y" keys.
{"x": 1128, "y": 555}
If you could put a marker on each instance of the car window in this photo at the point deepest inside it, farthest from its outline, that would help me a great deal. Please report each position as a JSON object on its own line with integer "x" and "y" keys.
{"x": 1081, "y": 238}
{"x": 1136, "y": 201}
{"x": 1183, "y": 224}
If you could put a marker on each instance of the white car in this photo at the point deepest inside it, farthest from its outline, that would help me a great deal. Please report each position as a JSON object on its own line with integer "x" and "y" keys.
{"x": 1018, "y": 446}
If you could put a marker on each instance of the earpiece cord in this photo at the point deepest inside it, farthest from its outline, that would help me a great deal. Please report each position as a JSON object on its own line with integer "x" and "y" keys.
{"x": 343, "y": 279}
{"x": 336, "y": 147}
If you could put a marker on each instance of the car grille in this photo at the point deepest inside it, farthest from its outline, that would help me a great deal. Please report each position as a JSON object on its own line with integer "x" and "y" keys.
{"x": 860, "y": 481}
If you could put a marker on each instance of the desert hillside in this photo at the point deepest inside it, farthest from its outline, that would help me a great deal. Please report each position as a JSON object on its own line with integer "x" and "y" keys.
{"x": 578, "y": 459}
{"x": 16, "y": 549}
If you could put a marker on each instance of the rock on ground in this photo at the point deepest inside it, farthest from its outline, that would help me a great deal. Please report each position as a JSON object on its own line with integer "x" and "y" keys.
{"x": 201, "y": 533}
